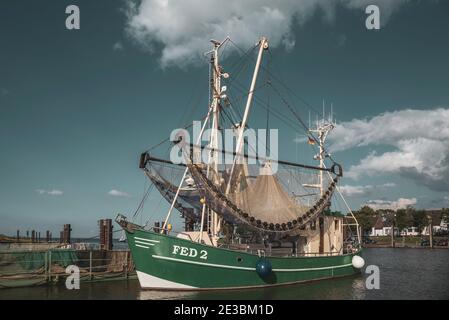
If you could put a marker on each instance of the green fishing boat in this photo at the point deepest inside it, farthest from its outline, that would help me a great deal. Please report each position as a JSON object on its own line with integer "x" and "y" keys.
{"x": 250, "y": 220}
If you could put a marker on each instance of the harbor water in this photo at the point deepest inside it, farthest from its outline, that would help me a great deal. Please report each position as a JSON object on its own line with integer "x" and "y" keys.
{"x": 404, "y": 274}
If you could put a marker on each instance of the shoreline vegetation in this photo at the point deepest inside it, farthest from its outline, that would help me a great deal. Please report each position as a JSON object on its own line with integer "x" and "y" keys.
{"x": 402, "y": 218}
{"x": 410, "y": 227}
{"x": 417, "y": 242}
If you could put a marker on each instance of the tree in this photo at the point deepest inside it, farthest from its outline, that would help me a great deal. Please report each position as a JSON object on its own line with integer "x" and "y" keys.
{"x": 402, "y": 220}
{"x": 365, "y": 218}
{"x": 419, "y": 218}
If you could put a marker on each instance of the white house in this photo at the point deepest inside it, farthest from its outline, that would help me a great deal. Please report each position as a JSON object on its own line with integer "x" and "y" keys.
{"x": 381, "y": 229}
{"x": 438, "y": 224}
{"x": 410, "y": 231}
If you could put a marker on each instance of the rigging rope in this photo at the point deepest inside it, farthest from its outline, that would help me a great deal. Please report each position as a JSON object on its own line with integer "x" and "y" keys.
{"x": 292, "y": 93}
{"x": 140, "y": 206}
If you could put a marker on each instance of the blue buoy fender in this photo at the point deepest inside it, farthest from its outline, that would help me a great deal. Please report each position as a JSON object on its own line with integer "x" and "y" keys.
{"x": 263, "y": 267}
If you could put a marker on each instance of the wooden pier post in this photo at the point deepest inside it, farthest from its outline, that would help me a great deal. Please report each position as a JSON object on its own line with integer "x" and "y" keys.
{"x": 105, "y": 234}
{"x": 49, "y": 265}
{"x": 90, "y": 264}
{"x": 46, "y": 265}
{"x": 66, "y": 234}
{"x": 392, "y": 233}
{"x": 127, "y": 264}
{"x": 431, "y": 234}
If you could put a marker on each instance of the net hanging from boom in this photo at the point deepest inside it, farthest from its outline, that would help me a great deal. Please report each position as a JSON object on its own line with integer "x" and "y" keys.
{"x": 282, "y": 201}
{"x": 273, "y": 202}
{"x": 165, "y": 177}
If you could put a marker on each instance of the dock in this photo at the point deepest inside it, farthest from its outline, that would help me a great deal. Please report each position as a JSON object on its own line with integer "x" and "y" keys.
{"x": 31, "y": 262}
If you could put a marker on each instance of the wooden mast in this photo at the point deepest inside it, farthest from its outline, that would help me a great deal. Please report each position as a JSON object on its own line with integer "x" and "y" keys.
{"x": 214, "y": 218}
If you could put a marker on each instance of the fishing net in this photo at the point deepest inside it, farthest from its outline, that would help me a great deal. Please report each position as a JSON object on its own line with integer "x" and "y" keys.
{"x": 26, "y": 268}
{"x": 36, "y": 267}
{"x": 266, "y": 202}
{"x": 280, "y": 200}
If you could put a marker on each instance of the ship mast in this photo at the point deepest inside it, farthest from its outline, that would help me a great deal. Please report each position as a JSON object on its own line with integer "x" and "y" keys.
{"x": 217, "y": 92}
{"x": 322, "y": 129}
{"x": 213, "y": 155}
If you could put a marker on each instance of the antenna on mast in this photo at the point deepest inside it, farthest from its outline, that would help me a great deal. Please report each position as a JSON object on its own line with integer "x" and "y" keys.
{"x": 323, "y": 110}
{"x": 331, "y": 118}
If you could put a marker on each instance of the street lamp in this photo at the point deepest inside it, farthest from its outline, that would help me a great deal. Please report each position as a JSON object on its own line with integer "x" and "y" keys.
{"x": 430, "y": 227}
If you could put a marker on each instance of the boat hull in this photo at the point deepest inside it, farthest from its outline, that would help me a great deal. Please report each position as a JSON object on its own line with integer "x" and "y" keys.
{"x": 168, "y": 263}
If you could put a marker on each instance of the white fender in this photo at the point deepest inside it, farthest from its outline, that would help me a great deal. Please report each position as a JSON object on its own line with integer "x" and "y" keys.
{"x": 358, "y": 262}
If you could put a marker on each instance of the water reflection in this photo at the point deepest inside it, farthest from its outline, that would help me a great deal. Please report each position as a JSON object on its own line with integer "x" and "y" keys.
{"x": 165, "y": 295}
{"x": 345, "y": 288}
{"x": 404, "y": 274}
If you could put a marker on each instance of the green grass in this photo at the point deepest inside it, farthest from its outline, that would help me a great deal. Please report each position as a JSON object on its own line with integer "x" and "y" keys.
{"x": 408, "y": 240}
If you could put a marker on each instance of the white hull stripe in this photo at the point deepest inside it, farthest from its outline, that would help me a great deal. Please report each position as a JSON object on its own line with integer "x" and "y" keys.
{"x": 311, "y": 269}
{"x": 246, "y": 268}
{"x": 145, "y": 243}
{"x": 149, "y": 281}
{"x": 148, "y": 240}
{"x": 138, "y": 245}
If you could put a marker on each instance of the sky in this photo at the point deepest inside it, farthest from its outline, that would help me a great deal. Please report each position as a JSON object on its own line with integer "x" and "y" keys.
{"x": 77, "y": 107}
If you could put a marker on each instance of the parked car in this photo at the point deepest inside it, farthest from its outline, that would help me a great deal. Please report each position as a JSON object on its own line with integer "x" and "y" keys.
{"x": 426, "y": 243}
{"x": 442, "y": 242}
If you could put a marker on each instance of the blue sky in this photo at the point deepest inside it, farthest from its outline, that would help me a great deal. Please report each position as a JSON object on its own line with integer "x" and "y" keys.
{"x": 77, "y": 107}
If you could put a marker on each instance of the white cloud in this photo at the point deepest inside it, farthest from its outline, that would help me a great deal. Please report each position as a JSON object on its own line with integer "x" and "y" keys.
{"x": 118, "y": 193}
{"x": 118, "y": 46}
{"x": 55, "y": 192}
{"x": 350, "y": 191}
{"x": 182, "y": 29}
{"x": 420, "y": 139}
{"x": 300, "y": 139}
{"x": 400, "y": 203}
{"x": 50, "y": 192}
